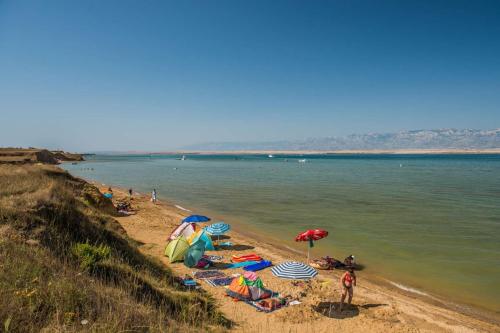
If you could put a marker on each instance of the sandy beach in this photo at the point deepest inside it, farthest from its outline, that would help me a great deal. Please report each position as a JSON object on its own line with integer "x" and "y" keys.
{"x": 376, "y": 307}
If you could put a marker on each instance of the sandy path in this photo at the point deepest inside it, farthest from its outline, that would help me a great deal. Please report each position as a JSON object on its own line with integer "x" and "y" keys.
{"x": 376, "y": 308}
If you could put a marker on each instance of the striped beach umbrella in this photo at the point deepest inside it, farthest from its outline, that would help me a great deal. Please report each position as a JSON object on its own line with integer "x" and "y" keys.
{"x": 217, "y": 229}
{"x": 294, "y": 271}
{"x": 196, "y": 219}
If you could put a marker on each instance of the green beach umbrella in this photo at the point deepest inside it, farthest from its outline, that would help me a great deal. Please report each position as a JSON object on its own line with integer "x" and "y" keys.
{"x": 194, "y": 253}
{"x": 176, "y": 249}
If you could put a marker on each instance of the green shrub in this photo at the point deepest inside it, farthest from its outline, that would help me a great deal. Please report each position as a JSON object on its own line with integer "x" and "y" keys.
{"x": 90, "y": 255}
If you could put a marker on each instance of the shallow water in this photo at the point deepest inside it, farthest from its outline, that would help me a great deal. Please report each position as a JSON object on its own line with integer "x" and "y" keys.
{"x": 430, "y": 222}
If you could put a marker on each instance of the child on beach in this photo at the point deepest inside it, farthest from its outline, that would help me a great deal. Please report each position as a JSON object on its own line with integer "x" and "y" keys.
{"x": 347, "y": 282}
{"x": 153, "y": 196}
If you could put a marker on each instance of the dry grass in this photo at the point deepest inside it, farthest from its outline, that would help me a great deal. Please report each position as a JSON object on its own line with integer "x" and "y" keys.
{"x": 44, "y": 214}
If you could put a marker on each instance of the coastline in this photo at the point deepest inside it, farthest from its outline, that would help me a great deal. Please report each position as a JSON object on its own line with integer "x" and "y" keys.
{"x": 448, "y": 151}
{"x": 404, "y": 302}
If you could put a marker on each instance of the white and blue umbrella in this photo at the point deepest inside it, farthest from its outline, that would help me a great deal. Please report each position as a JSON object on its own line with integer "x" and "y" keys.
{"x": 294, "y": 271}
{"x": 217, "y": 229}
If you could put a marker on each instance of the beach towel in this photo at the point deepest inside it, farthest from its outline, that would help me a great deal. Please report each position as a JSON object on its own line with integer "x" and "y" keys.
{"x": 214, "y": 273}
{"x": 246, "y": 257}
{"x": 258, "y": 266}
{"x": 241, "y": 264}
{"x": 225, "y": 281}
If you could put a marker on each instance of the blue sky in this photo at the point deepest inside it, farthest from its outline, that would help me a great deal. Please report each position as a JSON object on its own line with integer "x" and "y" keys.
{"x": 157, "y": 75}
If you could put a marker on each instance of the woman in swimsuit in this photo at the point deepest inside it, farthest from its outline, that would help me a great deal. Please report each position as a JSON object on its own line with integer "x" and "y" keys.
{"x": 347, "y": 282}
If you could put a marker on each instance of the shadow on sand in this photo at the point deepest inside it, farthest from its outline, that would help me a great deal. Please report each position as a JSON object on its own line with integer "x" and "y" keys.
{"x": 331, "y": 309}
{"x": 240, "y": 247}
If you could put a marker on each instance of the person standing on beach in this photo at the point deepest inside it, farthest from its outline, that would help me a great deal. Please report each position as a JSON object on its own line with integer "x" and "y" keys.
{"x": 130, "y": 192}
{"x": 347, "y": 282}
{"x": 153, "y": 196}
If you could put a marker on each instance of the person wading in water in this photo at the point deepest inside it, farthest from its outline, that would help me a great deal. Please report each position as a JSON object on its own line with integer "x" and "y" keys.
{"x": 153, "y": 196}
{"x": 347, "y": 282}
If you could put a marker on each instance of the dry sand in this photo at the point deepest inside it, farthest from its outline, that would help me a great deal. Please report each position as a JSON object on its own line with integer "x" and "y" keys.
{"x": 376, "y": 308}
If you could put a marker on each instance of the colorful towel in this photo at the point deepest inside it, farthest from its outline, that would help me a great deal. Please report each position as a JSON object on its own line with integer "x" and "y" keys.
{"x": 258, "y": 266}
{"x": 209, "y": 274}
{"x": 225, "y": 281}
{"x": 226, "y": 244}
{"x": 246, "y": 257}
{"x": 241, "y": 264}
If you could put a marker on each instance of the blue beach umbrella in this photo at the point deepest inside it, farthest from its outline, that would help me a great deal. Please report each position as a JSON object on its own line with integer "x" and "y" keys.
{"x": 196, "y": 219}
{"x": 217, "y": 229}
{"x": 294, "y": 271}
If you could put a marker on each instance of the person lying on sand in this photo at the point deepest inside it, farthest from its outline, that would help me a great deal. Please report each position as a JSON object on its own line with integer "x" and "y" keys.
{"x": 349, "y": 261}
{"x": 347, "y": 282}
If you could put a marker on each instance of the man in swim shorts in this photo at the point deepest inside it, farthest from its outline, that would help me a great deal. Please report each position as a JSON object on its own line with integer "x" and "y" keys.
{"x": 347, "y": 282}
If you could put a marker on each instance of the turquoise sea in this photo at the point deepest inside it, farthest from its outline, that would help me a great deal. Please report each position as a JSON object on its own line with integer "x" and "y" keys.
{"x": 427, "y": 222}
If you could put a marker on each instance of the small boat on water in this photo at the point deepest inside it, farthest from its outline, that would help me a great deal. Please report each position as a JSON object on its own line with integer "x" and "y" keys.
{"x": 270, "y": 156}
{"x": 303, "y": 161}
{"x": 183, "y": 158}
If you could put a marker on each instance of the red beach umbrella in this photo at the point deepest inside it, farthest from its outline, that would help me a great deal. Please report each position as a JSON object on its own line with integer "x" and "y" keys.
{"x": 310, "y": 236}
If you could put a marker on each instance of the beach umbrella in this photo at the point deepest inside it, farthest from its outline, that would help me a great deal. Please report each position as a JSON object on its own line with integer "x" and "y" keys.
{"x": 184, "y": 229}
{"x": 218, "y": 229}
{"x": 202, "y": 235}
{"x": 196, "y": 219}
{"x": 310, "y": 236}
{"x": 176, "y": 249}
{"x": 294, "y": 270}
{"x": 194, "y": 253}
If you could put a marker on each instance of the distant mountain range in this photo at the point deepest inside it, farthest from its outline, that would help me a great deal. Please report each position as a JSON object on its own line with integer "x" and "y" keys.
{"x": 417, "y": 139}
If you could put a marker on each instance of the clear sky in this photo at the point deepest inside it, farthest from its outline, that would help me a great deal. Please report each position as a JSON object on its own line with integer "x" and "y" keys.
{"x": 157, "y": 75}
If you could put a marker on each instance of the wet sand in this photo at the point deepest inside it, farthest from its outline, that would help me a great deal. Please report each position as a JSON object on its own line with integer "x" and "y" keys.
{"x": 377, "y": 307}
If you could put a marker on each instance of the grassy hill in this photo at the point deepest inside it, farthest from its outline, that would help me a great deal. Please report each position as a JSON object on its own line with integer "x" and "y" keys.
{"x": 34, "y": 155}
{"x": 67, "y": 265}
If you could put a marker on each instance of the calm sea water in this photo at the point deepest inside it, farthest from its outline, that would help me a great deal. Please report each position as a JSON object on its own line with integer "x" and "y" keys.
{"x": 428, "y": 222}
